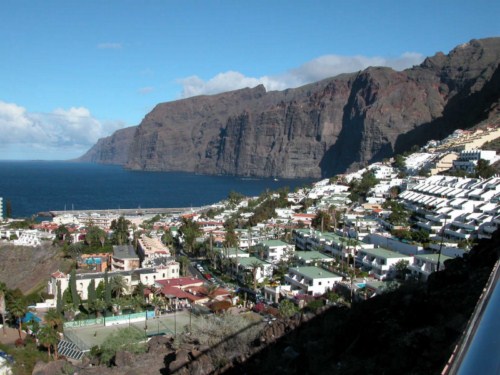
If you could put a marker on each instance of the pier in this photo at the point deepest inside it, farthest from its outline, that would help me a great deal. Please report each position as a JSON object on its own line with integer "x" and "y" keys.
{"x": 126, "y": 211}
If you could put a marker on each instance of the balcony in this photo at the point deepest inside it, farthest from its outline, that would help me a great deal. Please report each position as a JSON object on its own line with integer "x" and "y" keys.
{"x": 489, "y": 228}
{"x": 460, "y": 234}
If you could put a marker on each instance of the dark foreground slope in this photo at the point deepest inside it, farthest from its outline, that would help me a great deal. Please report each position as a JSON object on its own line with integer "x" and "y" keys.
{"x": 410, "y": 331}
{"x": 319, "y": 129}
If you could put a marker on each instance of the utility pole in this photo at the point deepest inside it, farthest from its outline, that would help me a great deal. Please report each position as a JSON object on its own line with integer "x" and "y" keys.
{"x": 441, "y": 246}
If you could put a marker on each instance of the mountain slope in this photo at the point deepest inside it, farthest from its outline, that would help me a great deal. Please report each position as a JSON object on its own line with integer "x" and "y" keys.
{"x": 322, "y": 128}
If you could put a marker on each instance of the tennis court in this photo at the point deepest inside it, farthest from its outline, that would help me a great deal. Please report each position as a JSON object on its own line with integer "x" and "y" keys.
{"x": 171, "y": 323}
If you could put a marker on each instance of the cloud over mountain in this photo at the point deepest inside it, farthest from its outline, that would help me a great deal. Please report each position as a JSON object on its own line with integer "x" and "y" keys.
{"x": 314, "y": 70}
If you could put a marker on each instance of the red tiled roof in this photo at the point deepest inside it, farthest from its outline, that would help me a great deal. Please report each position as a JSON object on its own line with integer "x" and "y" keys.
{"x": 304, "y": 215}
{"x": 180, "y": 281}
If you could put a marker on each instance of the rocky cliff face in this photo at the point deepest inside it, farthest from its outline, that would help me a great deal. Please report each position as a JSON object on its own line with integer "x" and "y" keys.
{"x": 323, "y": 128}
{"x": 111, "y": 150}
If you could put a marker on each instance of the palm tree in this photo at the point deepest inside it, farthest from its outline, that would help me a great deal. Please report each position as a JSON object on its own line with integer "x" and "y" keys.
{"x": 3, "y": 289}
{"x": 18, "y": 308}
{"x": 211, "y": 290}
{"x": 54, "y": 319}
{"x": 49, "y": 338}
{"x": 157, "y": 302}
{"x": 255, "y": 265}
{"x": 118, "y": 285}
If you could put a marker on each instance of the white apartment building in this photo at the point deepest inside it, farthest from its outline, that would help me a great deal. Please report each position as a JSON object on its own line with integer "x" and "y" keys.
{"x": 146, "y": 276}
{"x": 124, "y": 258}
{"x": 380, "y": 262}
{"x": 311, "y": 280}
{"x": 276, "y": 250}
{"x": 425, "y": 264}
{"x": 467, "y": 160}
{"x": 247, "y": 264}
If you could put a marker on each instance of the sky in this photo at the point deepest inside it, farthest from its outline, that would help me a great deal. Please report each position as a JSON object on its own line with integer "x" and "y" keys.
{"x": 72, "y": 72}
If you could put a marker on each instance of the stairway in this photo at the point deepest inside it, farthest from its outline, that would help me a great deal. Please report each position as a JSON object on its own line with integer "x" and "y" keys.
{"x": 69, "y": 350}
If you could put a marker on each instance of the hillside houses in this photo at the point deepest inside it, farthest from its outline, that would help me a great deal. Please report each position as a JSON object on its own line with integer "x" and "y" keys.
{"x": 465, "y": 205}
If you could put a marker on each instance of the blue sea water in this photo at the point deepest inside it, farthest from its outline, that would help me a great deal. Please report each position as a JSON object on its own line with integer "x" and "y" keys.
{"x": 38, "y": 186}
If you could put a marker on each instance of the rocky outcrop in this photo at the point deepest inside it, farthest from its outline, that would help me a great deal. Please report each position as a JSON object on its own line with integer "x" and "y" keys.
{"x": 320, "y": 129}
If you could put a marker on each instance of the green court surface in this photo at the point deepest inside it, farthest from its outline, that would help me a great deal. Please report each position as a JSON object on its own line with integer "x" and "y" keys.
{"x": 181, "y": 321}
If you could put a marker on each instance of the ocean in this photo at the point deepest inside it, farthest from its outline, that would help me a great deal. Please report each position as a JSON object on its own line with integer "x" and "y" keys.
{"x": 41, "y": 186}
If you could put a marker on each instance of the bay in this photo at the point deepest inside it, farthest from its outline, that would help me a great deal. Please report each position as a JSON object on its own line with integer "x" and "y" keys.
{"x": 40, "y": 186}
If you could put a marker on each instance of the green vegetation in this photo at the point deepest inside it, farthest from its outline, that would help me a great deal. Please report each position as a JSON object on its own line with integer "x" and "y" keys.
{"x": 266, "y": 206}
{"x": 399, "y": 215}
{"x": 21, "y": 224}
{"x": 359, "y": 188}
{"x": 120, "y": 230}
{"x": 287, "y": 308}
{"x": 190, "y": 231}
{"x": 484, "y": 169}
{"x": 322, "y": 221}
{"x": 128, "y": 339}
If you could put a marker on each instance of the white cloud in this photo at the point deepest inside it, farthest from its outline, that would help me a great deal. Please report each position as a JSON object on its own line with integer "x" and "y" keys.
{"x": 110, "y": 45}
{"x": 146, "y": 90}
{"x": 61, "y": 132}
{"x": 314, "y": 70}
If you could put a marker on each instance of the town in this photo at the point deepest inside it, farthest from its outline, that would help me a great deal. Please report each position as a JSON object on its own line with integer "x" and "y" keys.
{"x": 340, "y": 241}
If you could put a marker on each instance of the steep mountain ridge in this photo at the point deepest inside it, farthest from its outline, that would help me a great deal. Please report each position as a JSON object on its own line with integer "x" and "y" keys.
{"x": 318, "y": 129}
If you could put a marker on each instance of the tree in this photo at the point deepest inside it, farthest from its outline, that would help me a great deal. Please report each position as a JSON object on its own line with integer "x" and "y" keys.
{"x": 74, "y": 293}
{"x": 401, "y": 268}
{"x": 48, "y": 338}
{"x": 184, "y": 262}
{"x": 107, "y": 289}
{"x": 120, "y": 230}
{"x": 484, "y": 169}
{"x": 211, "y": 290}
{"x": 3, "y": 289}
{"x": 231, "y": 238}
{"x": 118, "y": 286}
{"x": 234, "y": 198}
{"x": 190, "y": 230}
{"x": 59, "y": 301}
{"x": 95, "y": 235}
{"x": 287, "y": 308}
{"x": 61, "y": 232}
{"x": 399, "y": 162}
{"x": 321, "y": 221}
{"x": 18, "y": 309}
{"x": 255, "y": 265}
{"x": 99, "y": 291}
{"x": 399, "y": 214}
{"x": 54, "y": 319}
{"x": 360, "y": 188}
{"x": 91, "y": 293}
{"x": 167, "y": 238}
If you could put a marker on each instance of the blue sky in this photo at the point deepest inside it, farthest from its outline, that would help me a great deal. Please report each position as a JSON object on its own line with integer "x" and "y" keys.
{"x": 74, "y": 71}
